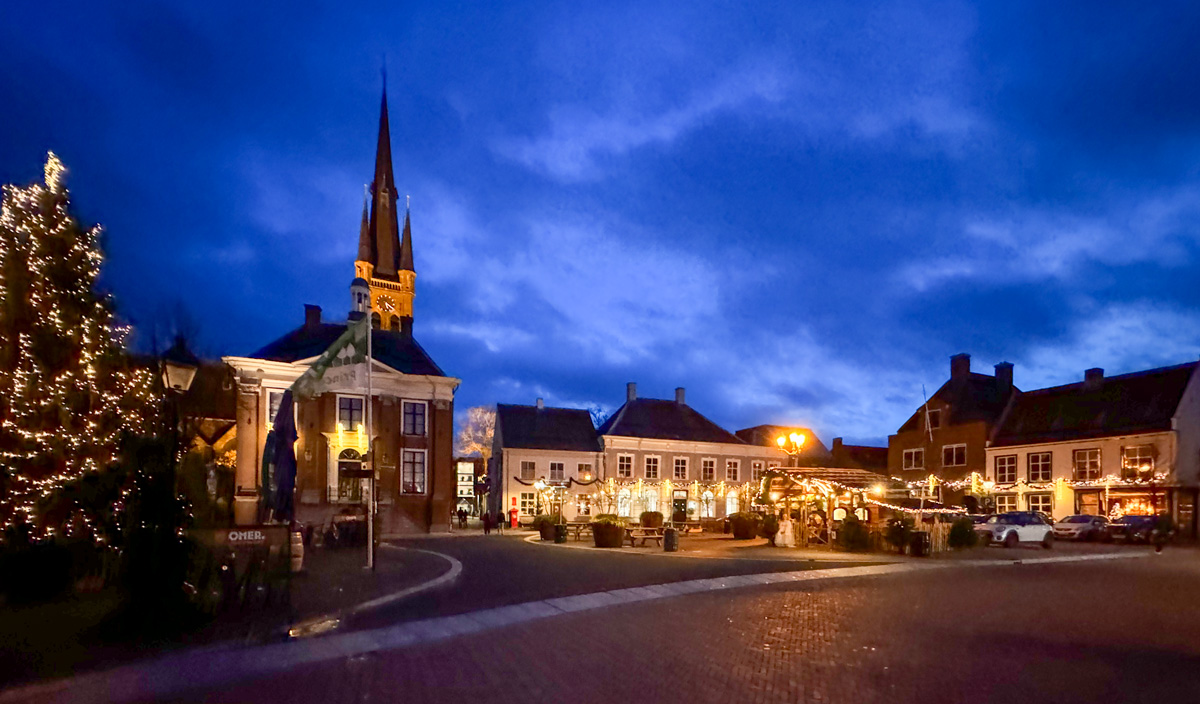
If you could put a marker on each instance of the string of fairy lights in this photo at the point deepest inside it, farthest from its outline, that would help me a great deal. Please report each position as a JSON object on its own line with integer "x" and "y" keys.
{"x": 67, "y": 391}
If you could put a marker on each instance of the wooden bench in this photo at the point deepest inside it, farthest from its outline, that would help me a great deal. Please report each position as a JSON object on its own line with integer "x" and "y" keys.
{"x": 644, "y": 534}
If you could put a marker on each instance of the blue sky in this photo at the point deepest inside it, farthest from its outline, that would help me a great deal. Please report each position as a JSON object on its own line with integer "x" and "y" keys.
{"x": 798, "y": 213}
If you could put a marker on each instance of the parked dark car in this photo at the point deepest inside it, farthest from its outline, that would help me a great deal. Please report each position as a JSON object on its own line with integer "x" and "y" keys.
{"x": 1082, "y": 527}
{"x": 1133, "y": 529}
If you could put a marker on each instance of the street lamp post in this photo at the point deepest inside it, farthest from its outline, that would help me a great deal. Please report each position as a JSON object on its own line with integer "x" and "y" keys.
{"x": 791, "y": 444}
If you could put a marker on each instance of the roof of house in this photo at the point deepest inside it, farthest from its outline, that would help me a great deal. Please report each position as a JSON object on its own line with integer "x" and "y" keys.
{"x": 212, "y": 393}
{"x": 846, "y": 476}
{"x": 866, "y": 457}
{"x": 765, "y": 435}
{"x": 973, "y": 397}
{"x": 1126, "y": 404}
{"x": 395, "y": 349}
{"x": 665, "y": 420}
{"x": 533, "y": 428}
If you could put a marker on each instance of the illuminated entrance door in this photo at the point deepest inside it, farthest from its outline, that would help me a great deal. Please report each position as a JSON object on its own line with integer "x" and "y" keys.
{"x": 679, "y": 505}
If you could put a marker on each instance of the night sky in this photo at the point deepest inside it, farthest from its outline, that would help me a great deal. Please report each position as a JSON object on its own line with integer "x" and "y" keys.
{"x": 798, "y": 214}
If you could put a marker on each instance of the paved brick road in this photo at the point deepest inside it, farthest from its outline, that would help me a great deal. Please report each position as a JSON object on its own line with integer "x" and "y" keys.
{"x": 1124, "y": 631}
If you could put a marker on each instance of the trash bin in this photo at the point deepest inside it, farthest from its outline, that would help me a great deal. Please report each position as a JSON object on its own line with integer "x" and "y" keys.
{"x": 920, "y": 546}
{"x": 560, "y": 533}
{"x": 670, "y": 540}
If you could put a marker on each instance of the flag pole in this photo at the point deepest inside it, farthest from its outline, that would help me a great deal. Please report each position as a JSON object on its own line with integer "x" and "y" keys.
{"x": 370, "y": 453}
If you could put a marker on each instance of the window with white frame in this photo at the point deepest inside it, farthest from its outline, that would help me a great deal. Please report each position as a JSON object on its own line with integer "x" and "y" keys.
{"x": 1086, "y": 464}
{"x": 350, "y": 412}
{"x": 1039, "y": 466}
{"x": 708, "y": 469}
{"x": 914, "y": 458}
{"x": 733, "y": 468}
{"x": 773, "y": 466}
{"x": 624, "y": 465}
{"x": 583, "y": 504}
{"x": 650, "y": 499}
{"x": 412, "y": 472}
{"x": 679, "y": 468}
{"x": 756, "y": 471}
{"x": 1137, "y": 462}
{"x": 528, "y": 470}
{"x": 708, "y": 505}
{"x": 624, "y": 497}
{"x": 954, "y": 455}
{"x": 1006, "y": 503}
{"x": 1040, "y": 502}
{"x": 556, "y": 471}
{"x": 1006, "y": 469}
{"x": 274, "y": 400}
{"x": 528, "y": 503}
{"x": 584, "y": 471}
{"x": 651, "y": 467}
{"x": 935, "y": 418}
{"x": 414, "y": 418}
{"x": 732, "y": 505}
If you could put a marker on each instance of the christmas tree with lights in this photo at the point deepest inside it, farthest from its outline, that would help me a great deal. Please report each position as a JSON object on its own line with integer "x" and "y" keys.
{"x": 68, "y": 390}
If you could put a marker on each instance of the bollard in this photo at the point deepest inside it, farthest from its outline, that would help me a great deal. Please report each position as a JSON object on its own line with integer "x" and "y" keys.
{"x": 670, "y": 540}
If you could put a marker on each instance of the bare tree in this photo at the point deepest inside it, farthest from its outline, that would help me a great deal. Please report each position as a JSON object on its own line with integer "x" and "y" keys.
{"x": 475, "y": 436}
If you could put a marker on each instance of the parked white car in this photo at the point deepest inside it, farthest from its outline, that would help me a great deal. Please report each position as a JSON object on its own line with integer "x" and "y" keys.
{"x": 1016, "y": 527}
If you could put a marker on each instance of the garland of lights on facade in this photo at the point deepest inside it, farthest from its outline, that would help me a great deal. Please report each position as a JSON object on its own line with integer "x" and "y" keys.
{"x": 67, "y": 391}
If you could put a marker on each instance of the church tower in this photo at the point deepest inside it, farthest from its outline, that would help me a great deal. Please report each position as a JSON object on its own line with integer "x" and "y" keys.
{"x": 385, "y": 259}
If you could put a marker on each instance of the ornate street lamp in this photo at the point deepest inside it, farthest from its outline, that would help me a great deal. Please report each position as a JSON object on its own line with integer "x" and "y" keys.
{"x": 792, "y": 444}
{"x": 179, "y": 367}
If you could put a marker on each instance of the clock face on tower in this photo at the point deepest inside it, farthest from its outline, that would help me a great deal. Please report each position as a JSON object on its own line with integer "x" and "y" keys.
{"x": 386, "y": 305}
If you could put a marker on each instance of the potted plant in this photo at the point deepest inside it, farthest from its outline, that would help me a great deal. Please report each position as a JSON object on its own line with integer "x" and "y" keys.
{"x": 651, "y": 519}
{"x": 745, "y": 525}
{"x": 544, "y": 524}
{"x": 608, "y": 531}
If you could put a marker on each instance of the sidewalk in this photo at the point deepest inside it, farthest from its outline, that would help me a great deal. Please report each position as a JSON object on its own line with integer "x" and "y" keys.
{"x": 63, "y": 638}
{"x": 718, "y": 546}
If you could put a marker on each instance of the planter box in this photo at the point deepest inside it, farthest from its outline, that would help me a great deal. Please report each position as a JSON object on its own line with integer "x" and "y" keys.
{"x": 547, "y": 531}
{"x": 607, "y": 535}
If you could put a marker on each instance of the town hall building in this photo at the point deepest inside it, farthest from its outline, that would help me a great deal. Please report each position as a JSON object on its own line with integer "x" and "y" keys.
{"x": 411, "y": 399}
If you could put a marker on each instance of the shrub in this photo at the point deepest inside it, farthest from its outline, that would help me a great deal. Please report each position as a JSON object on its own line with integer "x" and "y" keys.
{"x": 608, "y": 517}
{"x": 899, "y": 532}
{"x": 651, "y": 519}
{"x": 962, "y": 534}
{"x": 770, "y": 527}
{"x": 745, "y": 525}
{"x": 37, "y": 572}
{"x": 853, "y": 535}
{"x": 543, "y": 519}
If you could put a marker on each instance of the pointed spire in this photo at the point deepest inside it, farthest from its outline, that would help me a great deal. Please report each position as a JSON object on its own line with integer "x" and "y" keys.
{"x": 366, "y": 247}
{"x": 384, "y": 232}
{"x": 406, "y": 257}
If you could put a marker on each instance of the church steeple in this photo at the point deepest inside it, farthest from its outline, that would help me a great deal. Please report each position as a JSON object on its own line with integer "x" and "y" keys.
{"x": 384, "y": 261}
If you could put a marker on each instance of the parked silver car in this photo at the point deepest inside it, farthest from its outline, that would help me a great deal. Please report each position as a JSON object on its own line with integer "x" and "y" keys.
{"x": 1016, "y": 527}
{"x": 1082, "y": 527}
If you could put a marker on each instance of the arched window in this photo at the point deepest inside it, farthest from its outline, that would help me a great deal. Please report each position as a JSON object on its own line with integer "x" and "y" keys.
{"x": 839, "y": 513}
{"x": 708, "y": 505}
{"x": 732, "y": 505}
{"x": 863, "y": 514}
{"x": 395, "y": 324}
{"x": 650, "y": 499}
{"x": 623, "y": 497}
{"x": 349, "y": 488}
{"x": 375, "y": 321}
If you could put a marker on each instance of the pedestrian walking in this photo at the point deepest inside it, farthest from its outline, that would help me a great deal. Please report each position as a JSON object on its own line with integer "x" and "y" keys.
{"x": 487, "y": 522}
{"x": 500, "y": 522}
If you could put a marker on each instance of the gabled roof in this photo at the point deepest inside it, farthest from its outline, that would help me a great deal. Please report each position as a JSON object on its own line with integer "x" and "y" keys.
{"x": 765, "y": 435}
{"x": 874, "y": 459}
{"x": 665, "y": 420}
{"x": 1140, "y": 402}
{"x": 533, "y": 428}
{"x": 395, "y": 349}
{"x": 972, "y": 397}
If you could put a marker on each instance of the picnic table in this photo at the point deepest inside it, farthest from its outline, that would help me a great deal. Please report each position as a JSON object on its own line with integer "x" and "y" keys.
{"x": 643, "y": 534}
{"x": 578, "y": 529}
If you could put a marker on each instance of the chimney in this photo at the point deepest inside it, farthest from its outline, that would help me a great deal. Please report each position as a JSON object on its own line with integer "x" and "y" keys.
{"x": 631, "y": 392}
{"x": 1004, "y": 378}
{"x": 540, "y": 403}
{"x": 837, "y": 446}
{"x": 1093, "y": 378}
{"x": 679, "y": 396}
{"x": 312, "y": 316}
{"x": 960, "y": 366}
